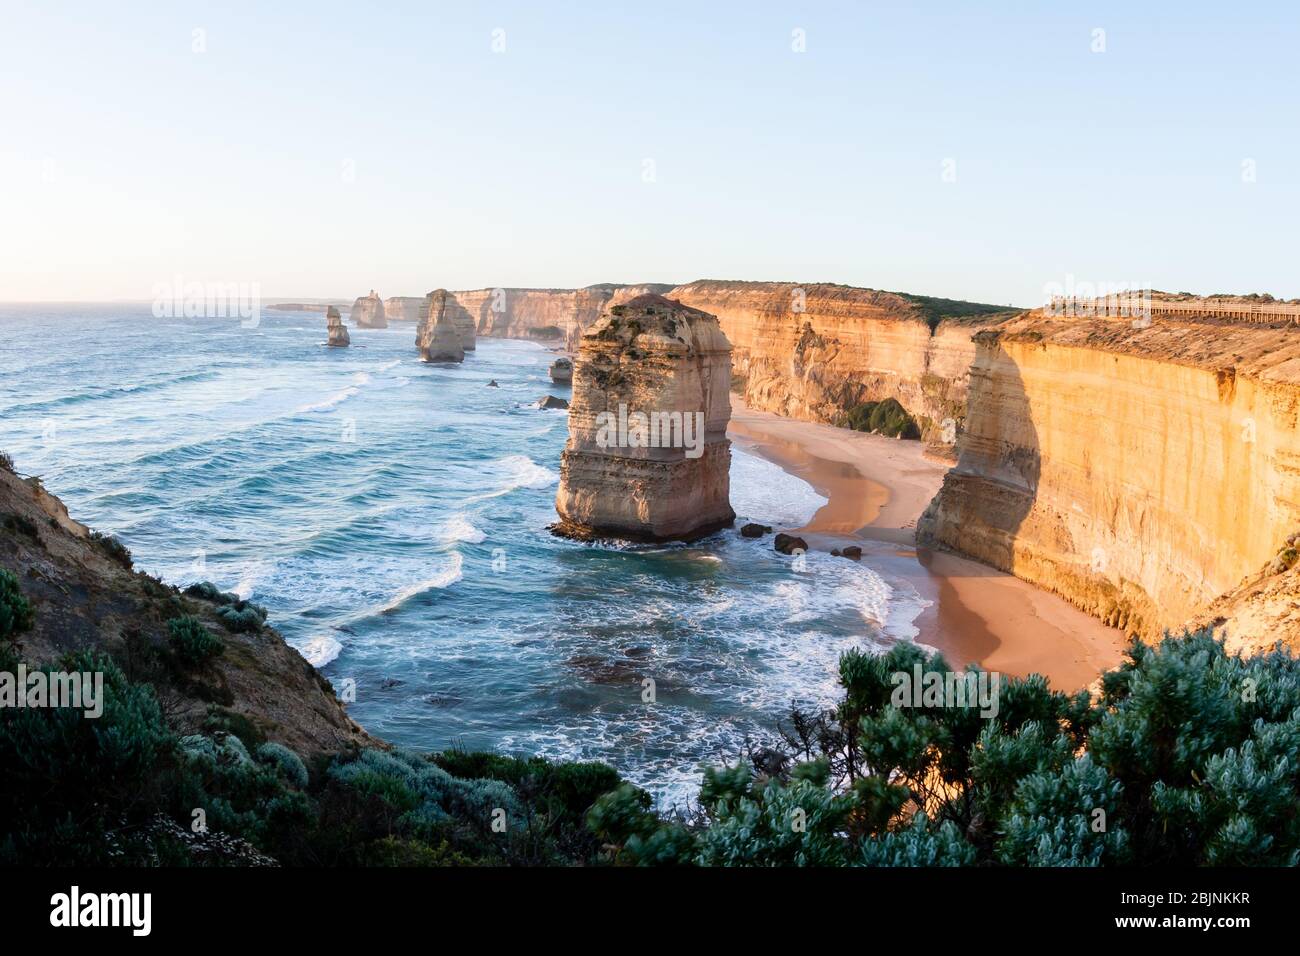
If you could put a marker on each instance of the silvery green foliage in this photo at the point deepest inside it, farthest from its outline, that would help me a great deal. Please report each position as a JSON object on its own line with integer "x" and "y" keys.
{"x": 1066, "y": 816}
{"x": 770, "y": 822}
{"x": 921, "y": 843}
{"x": 427, "y": 793}
{"x": 288, "y": 763}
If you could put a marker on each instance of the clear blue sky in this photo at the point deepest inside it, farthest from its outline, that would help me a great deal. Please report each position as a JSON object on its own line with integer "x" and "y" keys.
{"x": 127, "y": 158}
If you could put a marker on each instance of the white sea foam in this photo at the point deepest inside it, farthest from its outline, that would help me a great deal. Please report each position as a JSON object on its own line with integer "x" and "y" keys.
{"x": 320, "y": 650}
{"x": 458, "y": 528}
{"x": 338, "y": 398}
{"x": 445, "y": 578}
{"x": 518, "y": 471}
{"x": 764, "y": 492}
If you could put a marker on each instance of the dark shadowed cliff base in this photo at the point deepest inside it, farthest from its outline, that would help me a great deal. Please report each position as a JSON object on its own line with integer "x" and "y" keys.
{"x": 877, "y": 489}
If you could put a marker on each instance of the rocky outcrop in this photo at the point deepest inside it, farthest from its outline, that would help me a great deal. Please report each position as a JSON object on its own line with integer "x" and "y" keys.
{"x": 647, "y": 457}
{"x": 809, "y": 351}
{"x": 1146, "y": 472}
{"x": 368, "y": 312}
{"x": 404, "y": 308}
{"x": 438, "y": 338}
{"x": 338, "y": 332}
{"x": 533, "y": 313}
{"x": 85, "y": 595}
{"x": 562, "y": 371}
{"x": 815, "y": 351}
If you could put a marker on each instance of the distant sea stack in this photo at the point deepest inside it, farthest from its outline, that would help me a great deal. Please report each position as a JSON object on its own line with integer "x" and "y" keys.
{"x": 438, "y": 338}
{"x": 368, "y": 312}
{"x": 648, "y": 457}
{"x": 338, "y": 331}
{"x": 562, "y": 371}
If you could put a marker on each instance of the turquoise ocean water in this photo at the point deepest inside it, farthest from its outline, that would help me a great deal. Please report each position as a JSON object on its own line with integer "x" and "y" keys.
{"x": 392, "y": 516}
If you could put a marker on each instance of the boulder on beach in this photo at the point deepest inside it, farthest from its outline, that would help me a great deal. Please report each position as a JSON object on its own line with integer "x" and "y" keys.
{"x": 852, "y": 552}
{"x": 789, "y": 544}
{"x": 338, "y": 332}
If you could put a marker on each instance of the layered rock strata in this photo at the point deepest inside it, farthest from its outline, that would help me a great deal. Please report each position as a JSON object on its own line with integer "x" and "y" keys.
{"x": 562, "y": 371}
{"x": 368, "y": 312}
{"x": 1147, "y": 472}
{"x": 438, "y": 338}
{"x": 404, "y": 308}
{"x": 338, "y": 332}
{"x": 647, "y": 457}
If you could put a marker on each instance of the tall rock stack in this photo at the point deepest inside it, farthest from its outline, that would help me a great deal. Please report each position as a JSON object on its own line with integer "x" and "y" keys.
{"x": 338, "y": 331}
{"x": 368, "y": 312}
{"x": 648, "y": 457}
{"x": 438, "y": 338}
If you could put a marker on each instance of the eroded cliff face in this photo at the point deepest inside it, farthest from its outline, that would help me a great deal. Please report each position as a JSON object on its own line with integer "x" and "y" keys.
{"x": 1141, "y": 472}
{"x": 648, "y": 457}
{"x": 87, "y": 596}
{"x": 403, "y": 308}
{"x": 338, "y": 332}
{"x": 439, "y": 337}
{"x": 523, "y": 313}
{"x": 814, "y": 351}
{"x": 368, "y": 312}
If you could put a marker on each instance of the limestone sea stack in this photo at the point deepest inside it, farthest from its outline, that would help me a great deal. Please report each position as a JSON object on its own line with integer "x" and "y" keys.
{"x": 648, "y": 457}
{"x": 338, "y": 331}
{"x": 368, "y": 312}
{"x": 437, "y": 338}
{"x": 562, "y": 371}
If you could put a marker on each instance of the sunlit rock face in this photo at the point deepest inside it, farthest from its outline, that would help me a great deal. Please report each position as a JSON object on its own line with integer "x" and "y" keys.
{"x": 404, "y": 308}
{"x": 338, "y": 331}
{"x": 648, "y": 457}
{"x": 438, "y": 338}
{"x": 562, "y": 371}
{"x": 1140, "y": 471}
{"x": 455, "y": 313}
{"x": 368, "y": 312}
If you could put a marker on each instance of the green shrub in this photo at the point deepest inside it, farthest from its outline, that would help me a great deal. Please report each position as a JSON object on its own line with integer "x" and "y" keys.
{"x": 192, "y": 644}
{"x": 73, "y": 786}
{"x": 235, "y": 614}
{"x": 6, "y": 462}
{"x": 285, "y": 761}
{"x": 16, "y": 613}
{"x": 114, "y": 549}
{"x": 888, "y": 418}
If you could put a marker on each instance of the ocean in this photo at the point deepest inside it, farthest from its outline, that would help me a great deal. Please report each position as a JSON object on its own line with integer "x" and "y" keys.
{"x": 392, "y": 517}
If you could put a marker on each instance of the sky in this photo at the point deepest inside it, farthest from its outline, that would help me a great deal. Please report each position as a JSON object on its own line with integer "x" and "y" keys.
{"x": 981, "y": 151}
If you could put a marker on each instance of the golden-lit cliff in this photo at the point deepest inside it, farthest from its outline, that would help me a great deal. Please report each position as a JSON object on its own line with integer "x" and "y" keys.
{"x": 1141, "y": 471}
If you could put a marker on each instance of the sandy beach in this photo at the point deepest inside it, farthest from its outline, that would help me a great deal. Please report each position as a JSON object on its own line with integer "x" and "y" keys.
{"x": 877, "y": 488}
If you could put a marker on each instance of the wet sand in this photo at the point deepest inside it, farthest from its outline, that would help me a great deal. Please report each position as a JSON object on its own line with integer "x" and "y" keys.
{"x": 877, "y": 488}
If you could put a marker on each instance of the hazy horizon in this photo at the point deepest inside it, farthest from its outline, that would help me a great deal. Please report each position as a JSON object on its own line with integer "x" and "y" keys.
{"x": 944, "y": 152}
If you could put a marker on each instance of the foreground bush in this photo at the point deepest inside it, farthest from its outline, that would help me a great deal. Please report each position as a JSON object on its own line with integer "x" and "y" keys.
{"x": 1188, "y": 757}
{"x": 192, "y": 644}
{"x": 15, "y": 609}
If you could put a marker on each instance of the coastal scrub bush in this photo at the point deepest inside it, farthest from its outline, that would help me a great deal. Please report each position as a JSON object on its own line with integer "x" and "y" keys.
{"x": 1184, "y": 739}
{"x": 235, "y": 613}
{"x": 6, "y": 462}
{"x": 285, "y": 761}
{"x": 888, "y": 418}
{"x": 16, "y": 613}
{"x": 192, "y": 644}
{"x": 73, "y": 785}
{"x": 114, "y": 549}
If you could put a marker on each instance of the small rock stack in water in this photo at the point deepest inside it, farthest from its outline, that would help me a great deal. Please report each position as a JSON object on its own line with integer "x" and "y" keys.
{"x": 338, "y": 331}
{"x": 368, "y": 312}
{"x": 437, "y": 338}
{"x": 648, "y": 457}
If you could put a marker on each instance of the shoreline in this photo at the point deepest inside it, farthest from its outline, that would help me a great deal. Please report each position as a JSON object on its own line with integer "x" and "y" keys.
{"x": 877, "y": 488}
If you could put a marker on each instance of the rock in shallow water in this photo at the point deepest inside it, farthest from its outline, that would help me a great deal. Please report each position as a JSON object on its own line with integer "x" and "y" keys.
{"x": 788, "y": 544}
{"x": 752, "y": 530}
{"x": 339, "y": 337}
{"x": 648, "y": 457}
{"x": 438, "y": 338}
{"x": 550, "y": 401}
